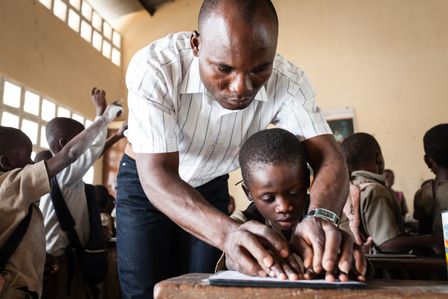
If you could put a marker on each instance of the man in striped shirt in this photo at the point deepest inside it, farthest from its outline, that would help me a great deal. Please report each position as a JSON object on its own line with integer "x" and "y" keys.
{"x": 194, "y": 98}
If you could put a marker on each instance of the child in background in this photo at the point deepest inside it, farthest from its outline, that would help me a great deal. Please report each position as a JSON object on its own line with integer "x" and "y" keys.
{"x": 379, "y": 212}
{"x": 389, "y": 179}
{"x": 275, "y": 180}
{"x": 22, "y": 183}
{"x": 432, "y": 197}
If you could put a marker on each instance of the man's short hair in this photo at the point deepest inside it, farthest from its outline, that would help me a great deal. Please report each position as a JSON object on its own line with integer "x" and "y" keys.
{"x": 359, "y": 149}
{"x": 247, "y": 9}
{"x": 11, "y": 138}
{"x": 435, "y": 143}
{"x": 271, "y": 146}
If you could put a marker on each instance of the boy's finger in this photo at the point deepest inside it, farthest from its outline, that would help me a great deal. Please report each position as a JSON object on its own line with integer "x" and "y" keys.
{"x": 93, "y": 90}
{"x": 290, "y": 273}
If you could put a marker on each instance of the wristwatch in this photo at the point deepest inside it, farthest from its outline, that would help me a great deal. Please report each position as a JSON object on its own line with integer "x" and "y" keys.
{"x": 325, "y": 214}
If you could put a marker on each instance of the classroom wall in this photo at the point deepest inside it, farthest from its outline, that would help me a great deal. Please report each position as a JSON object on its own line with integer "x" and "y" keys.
{"x": 385, "y": 58}
{"x": 44, "y": 54}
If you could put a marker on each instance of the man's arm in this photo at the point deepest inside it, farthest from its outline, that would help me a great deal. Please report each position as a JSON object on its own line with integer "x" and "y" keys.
{"x": 320, "y": 241}
{"x": 115, "y": 137}
{"x": 242, "y": 244}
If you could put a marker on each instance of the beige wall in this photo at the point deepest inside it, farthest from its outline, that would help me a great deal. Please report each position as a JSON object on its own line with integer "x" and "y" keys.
{"x": 44, "y": 54}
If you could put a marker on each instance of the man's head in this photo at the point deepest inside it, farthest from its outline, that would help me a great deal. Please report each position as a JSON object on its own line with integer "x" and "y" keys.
{"x": 275, "y": 174}
{"x": 236, "y": 46}
{"x": 435, "y": 143}
{"x": 15, "y": 149}
{"x": 60, "y": 131}
{"x": 362, "y": 152}
{"x": 389, "y": 177}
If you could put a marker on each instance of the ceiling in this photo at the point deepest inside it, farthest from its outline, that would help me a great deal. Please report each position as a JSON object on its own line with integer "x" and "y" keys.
{"x": 115, "y": 9}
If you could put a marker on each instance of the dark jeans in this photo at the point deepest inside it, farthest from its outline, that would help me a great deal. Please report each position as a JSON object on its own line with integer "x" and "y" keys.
{"x": 150, "y": 246}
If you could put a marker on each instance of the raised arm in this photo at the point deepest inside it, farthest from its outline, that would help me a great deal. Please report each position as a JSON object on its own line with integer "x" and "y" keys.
{"x": 78, "y": 145}
{"x": 322, "y": 245}
{"x": 115, "y": 137}
{"x": 175, "y": 198}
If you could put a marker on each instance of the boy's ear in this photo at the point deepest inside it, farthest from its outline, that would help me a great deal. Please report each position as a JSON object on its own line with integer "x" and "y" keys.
{"x": 195, "y": 41}
{"x": 4, "y": 163}
{"x": 62, "y": 142}
{"x": 246, "y": 191}
{"x": 428, "y": 161}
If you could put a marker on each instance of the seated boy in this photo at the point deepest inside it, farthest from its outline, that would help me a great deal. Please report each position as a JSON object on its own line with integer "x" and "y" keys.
{"x": 275, "y": 180}
{"x": 432, "y": 198}
{"x": 379, "y": 212}
{"x": 59, "y": 131}
{"x": 22, "y": 183}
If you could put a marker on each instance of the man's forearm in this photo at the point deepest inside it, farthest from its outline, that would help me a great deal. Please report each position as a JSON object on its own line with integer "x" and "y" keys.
{"x": 185, "y": 206}
{"x": 331, "y": 182}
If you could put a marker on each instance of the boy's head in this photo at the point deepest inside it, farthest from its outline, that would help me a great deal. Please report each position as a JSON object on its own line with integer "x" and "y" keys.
{"x": 362, "y": 152}
{"x": 60, "y": 131}
{"x": 389, "y": 177}
{"x": 435, "y": 143}
{"x": 276, "y": 177}
{"x": 15, "y": 149}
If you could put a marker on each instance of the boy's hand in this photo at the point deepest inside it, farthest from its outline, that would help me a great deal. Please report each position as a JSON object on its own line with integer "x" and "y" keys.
{"x": 113, "y": 111}
{"x": 286, "y": 268}
{"x": 99, "y": 100}
{"x": 320, "y": 243}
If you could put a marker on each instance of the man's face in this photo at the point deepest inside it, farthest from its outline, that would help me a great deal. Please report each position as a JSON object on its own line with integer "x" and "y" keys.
{"x": 279, "y": 193}
{"x": 235, "y": 58}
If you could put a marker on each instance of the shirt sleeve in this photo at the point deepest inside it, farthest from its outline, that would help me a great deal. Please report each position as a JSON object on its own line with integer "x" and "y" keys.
{"x": 74, "y": 172}
{"x": 22, "y": 187}
{"x": 300, "y": 114}
{"x": 379, "y": 216}
{"x": 152, "y": 124}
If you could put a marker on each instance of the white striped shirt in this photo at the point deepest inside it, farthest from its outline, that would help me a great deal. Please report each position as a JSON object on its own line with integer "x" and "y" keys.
{"x": 171, "y": 111}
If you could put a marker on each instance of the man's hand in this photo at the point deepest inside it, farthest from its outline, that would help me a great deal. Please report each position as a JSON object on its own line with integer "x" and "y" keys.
{"x": 123, "y": 128}
{"x": 99, "y": 100}
{"x": 325, "y": 248}
{"x": 254, "y": 249}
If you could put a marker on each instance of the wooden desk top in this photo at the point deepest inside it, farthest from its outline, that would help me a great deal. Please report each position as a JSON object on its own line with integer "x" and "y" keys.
{"x": 191, "y": 286}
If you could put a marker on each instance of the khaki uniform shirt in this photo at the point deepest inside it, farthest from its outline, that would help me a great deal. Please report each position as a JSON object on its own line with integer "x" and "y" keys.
{"x": 20, "y": 188}
{"x": 379, "y": 212}
{"x": 428, "y": 206}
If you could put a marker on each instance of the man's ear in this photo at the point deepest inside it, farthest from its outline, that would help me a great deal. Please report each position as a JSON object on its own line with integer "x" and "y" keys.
{"x": 195, "y": 41}
{"x": 246, "y": 191}
{"x": 4, "y": 163}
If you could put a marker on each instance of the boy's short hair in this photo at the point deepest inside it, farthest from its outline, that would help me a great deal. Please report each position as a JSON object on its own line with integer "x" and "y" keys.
{"x": 435, "y": 143}
{"x": 271, "y": 146}
{"x": 359, "y": 149}
{"x": 11, "y": 138}
{"x": 61, "y": 128}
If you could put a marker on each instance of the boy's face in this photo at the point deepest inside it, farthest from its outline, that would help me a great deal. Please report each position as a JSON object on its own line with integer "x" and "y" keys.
{"x": 279, "y": 193}
{"x": 20, "y": 155}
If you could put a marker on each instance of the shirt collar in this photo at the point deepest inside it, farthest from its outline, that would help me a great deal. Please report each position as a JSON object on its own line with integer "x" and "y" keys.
{"x": 192, "y": 83}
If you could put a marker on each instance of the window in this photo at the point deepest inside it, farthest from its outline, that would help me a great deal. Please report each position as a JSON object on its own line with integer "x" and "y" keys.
{"x": 86, "y": 31}
{"x": 73, "y": 20}
{"x": 11, "y": 94}
{"x": 32, "y": 114}
{"x": 80, "y": 16}
{"x": 60, "y": 10}
{"x": 46, "y": 3}
{"x": 32, "y": 103}
{"x": 76, "y": 4}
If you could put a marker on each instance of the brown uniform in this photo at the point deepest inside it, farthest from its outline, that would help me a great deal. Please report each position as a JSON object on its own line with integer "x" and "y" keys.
{"x": 20, "y": 188}
{"x": 429, "y": 201}
{"x": 379, "y": 212}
